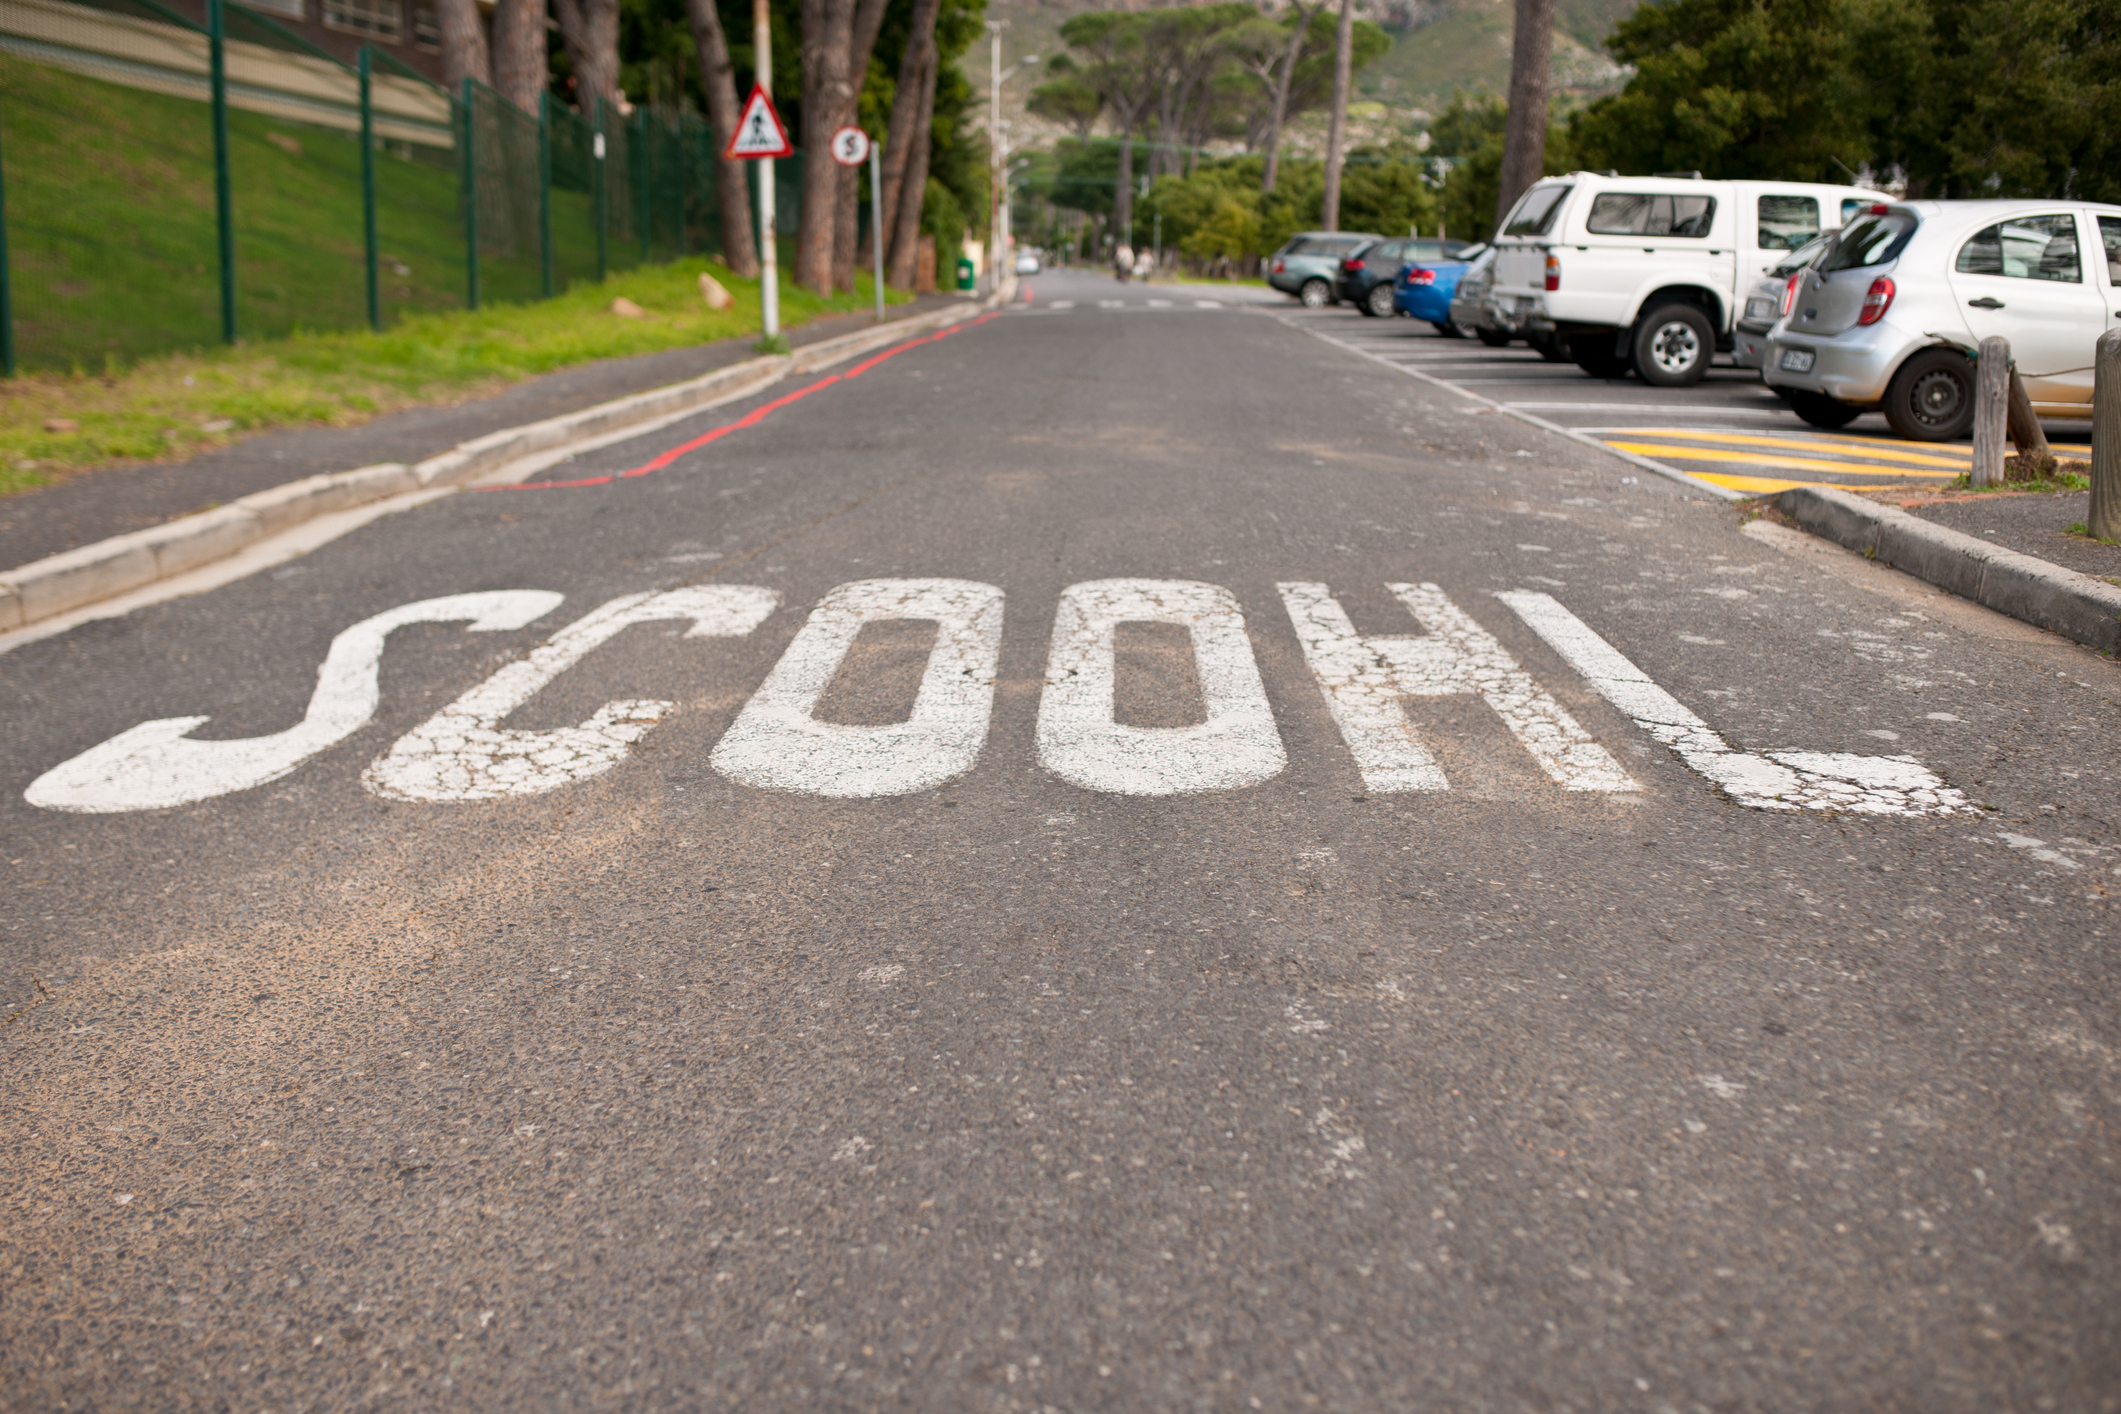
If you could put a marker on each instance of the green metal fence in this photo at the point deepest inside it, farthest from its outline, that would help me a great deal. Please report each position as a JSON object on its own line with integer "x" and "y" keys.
{"x": 169, "y": 185}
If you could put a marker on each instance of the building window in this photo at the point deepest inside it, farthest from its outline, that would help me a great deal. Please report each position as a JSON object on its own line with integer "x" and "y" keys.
{"x": 380, "y": 19}
{"x": 426, "y": 26}
{"x": 292, "y": 9}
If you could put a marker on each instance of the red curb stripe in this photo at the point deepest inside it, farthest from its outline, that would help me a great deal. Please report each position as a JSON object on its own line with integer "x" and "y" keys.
{"x": 749, "y": 419}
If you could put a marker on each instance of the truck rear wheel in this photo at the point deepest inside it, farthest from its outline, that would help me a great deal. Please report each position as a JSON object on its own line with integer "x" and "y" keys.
{"x": 1494, "y": 338}
{"x": 1673, "y": 346}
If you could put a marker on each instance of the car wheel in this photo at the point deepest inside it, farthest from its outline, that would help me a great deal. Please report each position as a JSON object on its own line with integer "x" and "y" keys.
{"x": 1379, "y": 302}
{"x": 1315, "y": 294}
{"x": 1931, "y": 398}
{"x": 1820, "y": 410}
{"x": 1450, "y": 330}
{"x": 1673, "y": 346}
{"x": 1593, "y": 353}
{"x": 1495, "y": 338}
{"x": 1548, "y": 347}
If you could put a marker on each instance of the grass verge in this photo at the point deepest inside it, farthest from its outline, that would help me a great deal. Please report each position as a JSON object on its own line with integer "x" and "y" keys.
{"x": 176, "y": 405}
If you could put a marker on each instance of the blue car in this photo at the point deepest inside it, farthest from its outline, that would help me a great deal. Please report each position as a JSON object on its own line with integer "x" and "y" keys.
{"x": 1425, "y": 287}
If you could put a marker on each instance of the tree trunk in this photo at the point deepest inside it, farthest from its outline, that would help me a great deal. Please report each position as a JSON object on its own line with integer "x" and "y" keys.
{"x": 906, "y": 108}
{"x": 1281, "y": 98}
{"x": 718, "y": 80}
{"x": 1337, "y": 129}
{"x": 519, "y": 70}
{"x": 590, "y": 30}
{"x": 1524, "y": 143}
{"x": 847, "y": 230}
{"x": 463, "y": 43}
{"x": 1123, "y": 190}
{"x": 827, "y": 37}
{"x": 906, "y": 223}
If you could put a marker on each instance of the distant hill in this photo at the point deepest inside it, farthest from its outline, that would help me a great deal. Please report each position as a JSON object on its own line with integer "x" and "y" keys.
{"x": 1438, "y": 46}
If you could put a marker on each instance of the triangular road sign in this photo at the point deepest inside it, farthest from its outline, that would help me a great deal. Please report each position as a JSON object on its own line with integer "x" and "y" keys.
{"x": 760, "y": 133}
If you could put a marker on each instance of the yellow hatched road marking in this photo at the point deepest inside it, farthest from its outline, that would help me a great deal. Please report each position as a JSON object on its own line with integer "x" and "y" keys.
{"x": 1801, "y": 444}
{"x": 1704, "y": 454}
{"x": 1751, "y": 483}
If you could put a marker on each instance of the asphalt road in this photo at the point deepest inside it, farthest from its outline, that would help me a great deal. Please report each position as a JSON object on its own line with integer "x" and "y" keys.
{"x": 1078, "y": 895}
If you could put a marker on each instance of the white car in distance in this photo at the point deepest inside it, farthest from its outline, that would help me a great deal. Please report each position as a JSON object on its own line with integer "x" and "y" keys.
{"x": 1646, "y": 273}
{"x": 1890, "y": 317}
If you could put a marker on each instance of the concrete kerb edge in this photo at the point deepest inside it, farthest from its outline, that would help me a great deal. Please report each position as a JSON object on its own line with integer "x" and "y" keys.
{"x": 76, "y": 578}
{"x": 2027, "y": 588}
{"x": 1673, "y": 473}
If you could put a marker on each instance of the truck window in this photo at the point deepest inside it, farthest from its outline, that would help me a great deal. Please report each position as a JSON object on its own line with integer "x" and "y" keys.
{"x": 1869, "y": 240}
{"x": 2025, "y": 248}
{"x": 2110, "y": 237}
{"x": 1627, "y": 214}
{"x": 1787, "y": 222}
{"x": 1536, "y": 212}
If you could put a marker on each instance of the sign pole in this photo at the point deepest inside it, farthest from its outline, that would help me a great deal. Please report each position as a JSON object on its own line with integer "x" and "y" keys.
{"x": 769, "y": 258}
{"x": 876, "y": 220}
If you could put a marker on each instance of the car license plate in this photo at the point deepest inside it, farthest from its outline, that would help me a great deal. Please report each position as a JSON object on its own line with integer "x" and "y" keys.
{"x": 1797, "y": 360}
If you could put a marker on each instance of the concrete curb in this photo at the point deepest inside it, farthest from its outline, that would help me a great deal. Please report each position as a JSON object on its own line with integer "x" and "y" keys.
{"x": 74, "y": 578}
{"x": 2045, "y": 595}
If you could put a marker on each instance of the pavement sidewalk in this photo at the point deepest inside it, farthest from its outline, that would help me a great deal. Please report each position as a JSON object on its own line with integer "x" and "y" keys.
{"x": 98, "y": 504}
{"x": 2031, "y": 524}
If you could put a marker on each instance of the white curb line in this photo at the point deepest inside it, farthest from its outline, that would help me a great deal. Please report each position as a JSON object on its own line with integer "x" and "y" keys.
{"x": 62, "y": 585}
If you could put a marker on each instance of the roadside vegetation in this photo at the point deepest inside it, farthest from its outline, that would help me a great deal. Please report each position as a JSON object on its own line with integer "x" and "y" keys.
{"x": 172, "y": 406}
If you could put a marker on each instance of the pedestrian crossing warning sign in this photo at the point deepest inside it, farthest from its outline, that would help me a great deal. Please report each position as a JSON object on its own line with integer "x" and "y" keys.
{"x": 760, "y": 132}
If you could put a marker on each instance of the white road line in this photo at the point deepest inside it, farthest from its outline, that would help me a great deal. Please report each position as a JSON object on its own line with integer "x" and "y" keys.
{"x": 1111, "y": 304}
{"x": 777, "y": 742}
{"x": 1777, "y": 780}
{"x": 1659, "y": 409}
{"x": 1238, "y": 745}
{"x": 1062, "y": 304}
{"x": 463, "y": 752}
{"x": 1207, "y": 304}
{"x": 155, "y": 765}
{"x": 1364, "y": 680}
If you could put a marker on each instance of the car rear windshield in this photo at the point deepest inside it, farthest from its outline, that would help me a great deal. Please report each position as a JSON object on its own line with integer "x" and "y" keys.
{"x": 1535, "y": 213}
{"x": 1803, "y": 256}
{"x": 1617, "y": 213}
{"x": 1326, "y": 245}
{"x": 1870, "y": 240}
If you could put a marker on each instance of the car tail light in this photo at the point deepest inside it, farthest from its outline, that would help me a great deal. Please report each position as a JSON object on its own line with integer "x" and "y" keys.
{"x": 1876, "y": 301}
{"x": 1418, "y": 276}
{"x": 1553, "y": 272}
{"x": 1280, "y": 267}
{"x": 1879, "y": 208}
{"x": 1789, "y": 292}
{"x": 1351, "y": 265}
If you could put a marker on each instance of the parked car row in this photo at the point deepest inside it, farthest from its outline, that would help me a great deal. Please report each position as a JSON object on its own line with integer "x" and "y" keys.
{"x": 1846, "y": 300}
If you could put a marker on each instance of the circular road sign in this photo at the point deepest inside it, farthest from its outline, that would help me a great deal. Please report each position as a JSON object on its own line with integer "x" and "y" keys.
{"x": 850, "y": 146}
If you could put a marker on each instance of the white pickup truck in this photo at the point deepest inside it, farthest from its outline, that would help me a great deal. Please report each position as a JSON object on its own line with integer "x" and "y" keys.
{"x": 1645, "y": 273}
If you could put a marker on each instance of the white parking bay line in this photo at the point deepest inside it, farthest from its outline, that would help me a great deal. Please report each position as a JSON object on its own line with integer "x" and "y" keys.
{"x": 1660, "y": 409}
{"x": 1775, "y": 780}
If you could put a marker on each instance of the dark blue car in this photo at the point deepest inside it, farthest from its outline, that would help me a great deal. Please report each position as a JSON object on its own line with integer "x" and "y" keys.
{"x": 1425, "y": 287}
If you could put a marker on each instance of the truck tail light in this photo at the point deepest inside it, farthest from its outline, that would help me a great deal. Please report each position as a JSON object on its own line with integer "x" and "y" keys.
{"x": 1553, "y": 271}
{"x": 1418, "y": 276}
{"x": 1789, "y": 293}
{"x": 1876, "y": 301}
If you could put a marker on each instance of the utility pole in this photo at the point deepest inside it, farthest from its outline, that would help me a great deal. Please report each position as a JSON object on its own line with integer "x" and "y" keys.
{"x": 995, "y": 156}
{"x": 769, "y": 256}
{"x": 1337, "y": 129}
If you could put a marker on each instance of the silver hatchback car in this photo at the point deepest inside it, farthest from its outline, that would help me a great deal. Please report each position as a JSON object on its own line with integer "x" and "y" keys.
{"x": 1890, "y": 316}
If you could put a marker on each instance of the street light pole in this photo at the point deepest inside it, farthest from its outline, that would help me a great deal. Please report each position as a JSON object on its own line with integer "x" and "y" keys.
{"x": 994, "y": 157}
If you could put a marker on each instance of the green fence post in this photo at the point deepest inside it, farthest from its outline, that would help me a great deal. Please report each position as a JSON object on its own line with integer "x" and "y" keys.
{"x": 224, "y": 197}
{"x": 368, "y": 190}
{"x": 596, "y": 151}
{"x": 471, "y": 198}
{"x": 7, "y": 305}
{"x": 643, "y": 214}
{"x": 545, "y": 191}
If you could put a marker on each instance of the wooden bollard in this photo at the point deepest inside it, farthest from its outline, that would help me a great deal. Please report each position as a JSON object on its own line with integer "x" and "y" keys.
{"x": 2027, "y": 435}
{"x": 1992, "y": 389}
{"x": 2105, "y": 517}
